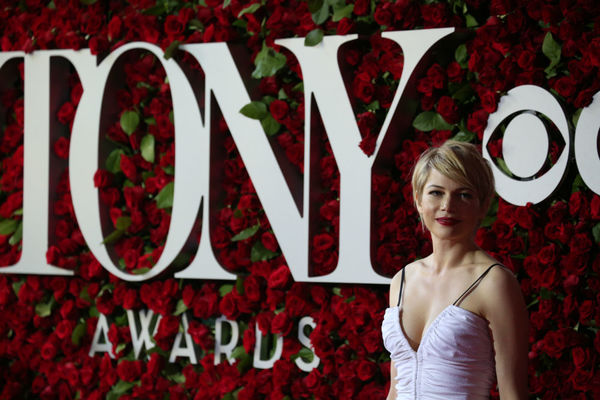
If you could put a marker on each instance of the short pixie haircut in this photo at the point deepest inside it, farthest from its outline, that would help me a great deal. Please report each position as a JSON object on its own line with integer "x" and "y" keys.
{"x": 459, "y": 161}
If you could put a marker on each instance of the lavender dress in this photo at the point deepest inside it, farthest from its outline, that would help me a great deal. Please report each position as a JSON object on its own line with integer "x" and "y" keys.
{"x": 455, "y": 359}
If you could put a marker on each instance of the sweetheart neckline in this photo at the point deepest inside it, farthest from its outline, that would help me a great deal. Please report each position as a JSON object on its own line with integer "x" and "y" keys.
{"x": 398, "y": 324}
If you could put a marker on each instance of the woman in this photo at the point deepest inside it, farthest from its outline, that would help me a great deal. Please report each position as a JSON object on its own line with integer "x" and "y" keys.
{"x": 457, "y": 320}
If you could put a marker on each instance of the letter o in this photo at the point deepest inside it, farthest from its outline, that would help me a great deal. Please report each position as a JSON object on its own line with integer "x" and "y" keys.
{"x": 520, "y": 99}
{"x": 586, "y": 144}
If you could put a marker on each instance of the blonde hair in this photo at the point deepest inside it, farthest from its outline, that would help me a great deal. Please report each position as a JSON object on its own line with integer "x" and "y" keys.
{"x": 459, "y": 161}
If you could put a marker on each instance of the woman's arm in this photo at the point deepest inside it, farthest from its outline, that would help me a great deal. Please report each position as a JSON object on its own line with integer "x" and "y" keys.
{"x": 393, "y": 300}
{"x": 505, "y": 309}
{"x": 392, "y": 393}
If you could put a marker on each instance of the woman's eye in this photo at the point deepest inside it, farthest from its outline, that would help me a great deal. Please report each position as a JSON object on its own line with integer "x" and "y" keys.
{"x": 435, "y": 193}
{"x": 466, "y": 195}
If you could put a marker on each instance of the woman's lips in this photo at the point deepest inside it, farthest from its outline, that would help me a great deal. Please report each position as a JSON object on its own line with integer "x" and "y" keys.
{"x": 447, "y": 221}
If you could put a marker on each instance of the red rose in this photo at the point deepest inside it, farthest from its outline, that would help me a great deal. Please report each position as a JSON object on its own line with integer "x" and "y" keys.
{"x": 366, "y": 369}
{"x": 489, "y": 100}
{"x": 13, "y": 134}
{"x": 61, "y": 147}
{"x": 383, "y": 15}
{"x": 436, "y": 76}
{"x": 565, "y": 86}
{"x": 279, "y": 278}
{"x": 344, "y": 26}
{"x": 361, "y": 7}
{"x": 129, "y": 371}
{"x": 282, "y": 373}
{"x": 281, "y": 323}
{"x": 448, "y": 109}
{"x": 63, "y": 329}
{"x": 12, "y": 203}
{"x": 128, "y": 167}
{"x": 454, "y": 72}
{"x": 249, "y": 339}
{"x": 66, "y": 113}
{"x": 362, "y": 88}
{"x": 173, "y": 26}
{"x": 581, "y": 357}
{"x": 477, "y": 121}
{"x": 554, "y": 343}
{"x": 48, "y": 350}
{"x": 252, "y": 288}
{"x": 323, "y": 241}
{"x": 201, "y": 335}
{"x": 228, "y": 306}
{"x": 580, "y": 244}
{"x": 279, "y": 110}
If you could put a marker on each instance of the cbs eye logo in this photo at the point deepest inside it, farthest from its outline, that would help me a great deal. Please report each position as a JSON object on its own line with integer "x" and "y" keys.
{"x": 527, "y": 118}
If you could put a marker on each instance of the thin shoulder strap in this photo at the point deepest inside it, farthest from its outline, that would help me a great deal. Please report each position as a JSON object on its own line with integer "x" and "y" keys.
{"x": 401, "y": 287}
{"x": 473, "y": 285}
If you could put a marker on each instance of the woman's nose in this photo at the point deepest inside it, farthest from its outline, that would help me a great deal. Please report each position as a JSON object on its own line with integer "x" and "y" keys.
{"x": 446, "y": 203}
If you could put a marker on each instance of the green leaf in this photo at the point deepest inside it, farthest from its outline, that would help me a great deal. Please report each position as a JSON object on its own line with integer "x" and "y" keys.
{"x": 78, "y": 333}
{"x": 147, "y": 148}
{"x": 460, "y": 55}
{"x": 314, "y": 5}
{"x": 87, "y": 2}
{"x": 171, "y": 49}
{"x": 44, "y": 309}
{"x": 596, "y": 232}
{"x": 320, "y": 15}
{"x": 129, "y": 121}
{"x": 552, "y": 50}
{"x": 340, "y": 13}
{"x": 8, "y": 226}
{"x": 260, "y": 253}
{"x": 225, "y": 289}
{"x": 314, "y": 37}
{"x": 251, "y": 9}
{"x": 16, "y": 286}
{"x": 462, "y": 93}
{"x": 270, "y": 126}
{"x": 140, "y": 271}
{"x": 502, "y": 165}
{"x": 267, "y": 62}
{"x": 463, "y": 136}
{"x": 305, "y": 354}
{"x": 471, "y": 21}
{"x": 180, "y": 308}
{"x": 177, "y": 378}
{"x": 113, "y": 161}
{"x": 120, "y": 388}
{"x": 123, "y": 223}
{"x": 164, "y": 198}
{"x": 246, "y": 233}
{"x": 238, "y": 352}
{"x": 578, "y": 184}
{"x": 197, "y": 25}
{"x": 113, "y": 236}
{"x": 255, "y": 110}
{"x": 430, "y": 120}
{"x": 16, "y": 237}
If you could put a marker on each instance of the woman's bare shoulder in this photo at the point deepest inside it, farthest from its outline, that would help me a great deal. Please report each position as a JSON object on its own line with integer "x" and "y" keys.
{"x": 502, "y": 290}
{"x": 397, "y": 280}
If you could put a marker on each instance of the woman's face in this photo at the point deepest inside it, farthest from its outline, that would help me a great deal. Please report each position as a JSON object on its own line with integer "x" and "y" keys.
{"x": 449, "y": 210}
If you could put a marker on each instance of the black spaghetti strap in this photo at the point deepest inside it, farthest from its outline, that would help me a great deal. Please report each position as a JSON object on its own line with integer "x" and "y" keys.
{"x": 473, "y": 285}
{"x": 401, "y": 287}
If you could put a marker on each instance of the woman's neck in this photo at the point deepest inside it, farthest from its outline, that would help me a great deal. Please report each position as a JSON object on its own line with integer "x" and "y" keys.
{"x": 450, "y": 254}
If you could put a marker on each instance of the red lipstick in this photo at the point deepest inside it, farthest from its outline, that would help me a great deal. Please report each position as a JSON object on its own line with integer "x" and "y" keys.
{"x": 447, "y": 221}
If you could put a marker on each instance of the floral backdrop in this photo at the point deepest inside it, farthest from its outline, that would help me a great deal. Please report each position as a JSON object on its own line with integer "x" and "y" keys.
{"x": 47, "y": 323}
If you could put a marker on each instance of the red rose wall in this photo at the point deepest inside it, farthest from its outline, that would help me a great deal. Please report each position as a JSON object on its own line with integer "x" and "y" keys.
{"x": 47, "y": 323}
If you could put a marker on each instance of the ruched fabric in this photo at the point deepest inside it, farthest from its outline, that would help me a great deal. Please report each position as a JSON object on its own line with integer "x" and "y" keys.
{"x": 455, "y": 359}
